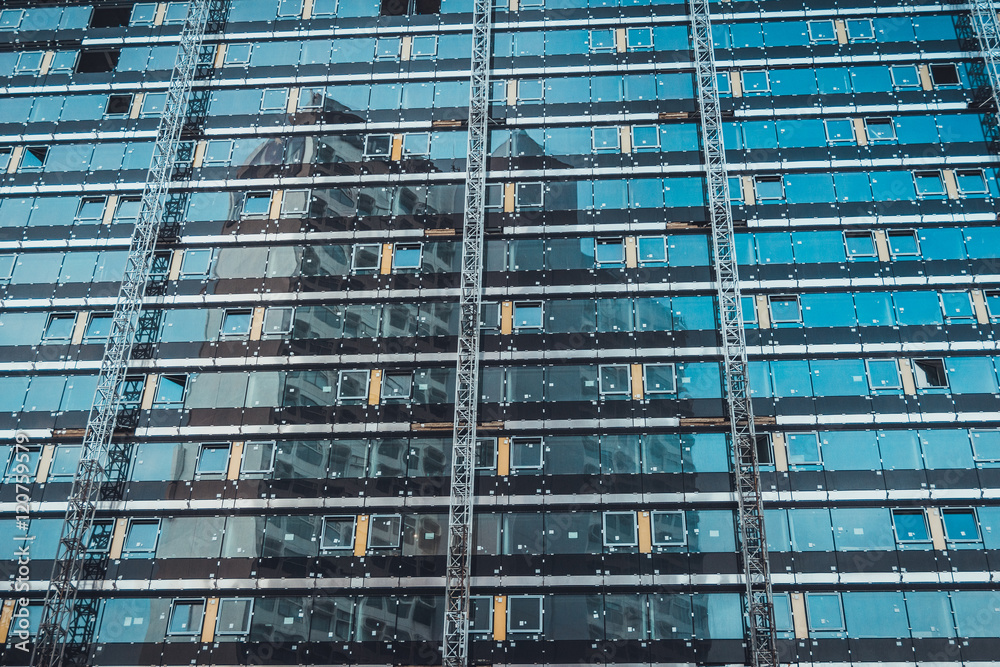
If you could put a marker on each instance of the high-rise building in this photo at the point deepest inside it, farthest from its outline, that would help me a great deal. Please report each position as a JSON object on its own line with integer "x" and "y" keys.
{"x": 278, "y": 488}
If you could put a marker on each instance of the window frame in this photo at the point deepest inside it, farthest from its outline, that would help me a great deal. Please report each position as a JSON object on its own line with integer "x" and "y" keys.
{"x": 863, "y": 38}
{"x": 606, "y": 242}
{"x": 623, "y": 391}
{"x": 766, "y": 90}
{"x": 419, "y": 247}
{"x": 488, "y": 631}
{"x": 940, "y": 67}
{"x": 899, "y": 84}
{"x": 890, "y": 234}
{"x": 424, "y": 55}
{"x": 48, "y": 338}
{"x": 246, "y": 470}
{"x": 239, "y": 59}
{"x": 647, "y": 389}
{"x": 397, "y": 373}
{"x": 171, "y": 377}
{"x": 877, "y": 122}
{"x": 818, "y": 461}
{"x": 973, "y": 436}
{"x": 640, "y": 47}
{"x": 226, "y": 313}
{"x": 922, "y": 384}
{"x": 219, "y": 631}
{"x": 982, "y": 175}
{"x": 345, "y": 373}
{"x": 945, "y": 511}
{"x": 519, "y": 440}
{"x": 540, "y": 305}
{"x": 323, "y": 548}
{"x": 192, "y": 631}
{"x": 268, "y": 311}
{"x": 254, "y": 196}
{"x": 597, "y": 147}
{"x": 768, "y": 178}
{"x": 871, "y": 384}
{"x": 813, "y": 39}
{"x": 399, "y": 531}
{"x": 923, "y": 193}
{"x": 540, "y": 600}
{"x": 772, "y": 298}
{"x": 633, "y": 542}
{"x": 652, "y": 528}
{"x": 145, "y": 552}
{"x": 602, "y": 48}
{"x": 534, "y": 205}
{"x": 852, "y": 233}
{"x": 355, "y": 254}
{"x": 212, "y": 474}
{"x": 833, "y": 140}
{"x": 909, "y": 511}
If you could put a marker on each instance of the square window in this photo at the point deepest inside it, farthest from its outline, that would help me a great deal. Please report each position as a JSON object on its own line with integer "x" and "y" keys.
{"x": 218, "y": 153}
{"x": 839, "y": 131}
{"x": 417, "y": 144}
{"x": 236, "y": 323}
{"x": 486, "y": 453}
{"x": 258, "y": 458}
{"x": 387, "y": 48}
{"x": 645, "y": 138}
{"x": 481, "y": 615}
{"x": 98, "y": 327}
{"x": 803, "y": 448}
{"x": 860, "y": 244}
{"x": 960, "y": 525}
{"x": 274, "y": 99}
{"x": 615, "y": 380}
{"x": 366, "y": 257}
{"x": 213, "y": 459}
{"x": 33, "y": 158}
{"x": 609, "y": 251}
{"x": 822, "y": 31}
{"x": 186, "y": 617}
{"x": 289, "y": 8}
{"x": 985, "y": 445}
{"x": 528, "y": 315}
{"x": 620, "y": 529}
{"x": 824, "y": 612}
{"x": 524, "y": 613}
{"x": 338, "y": 533}
{"x": 65, "y": 461}
{"x": 910, "y": 526}
{"x": 152, "y": 105}
{"x": 602, "y": 41}
{"x": 724, "y": 84}
{"x": 639, "y": 39}
{"x": 785, "y": 309}
{"x": 529, "y": 196}
{"x": 64, "y": 62}
{"x": 769, "y": 188}
{"x": 278, "y": 321}
{"x": 378, "y": 145}
{"x": 659, "y": 379}
{"x": 384, "y": 530}
{"x": 397, "y": 385}
{"x": 352, "y": 385}
{"x": 170, "y": 390}
{"x": 256, "y": 204}
{"x": 971, "y": 182}
{"x": 10, "y": 19}
{"x": 992, "y": 296}
{"x": 957, "y": 306}
{"x": 929, "y": 183}
{"x": 91, "y": 210}
{"x": 883, "y": 374}
{"x": 668, "y": 528}
{"x": 526, "y": 454}
{"x": 903, "y": 243}
{"x": 311, "y": 98}
{"x": 930, "y": 374}
{"x": 530, "y": 90}
{"x": 880, "y": 130}
{"x": 59, "y": 328}
{"x": 29, "y": 62}
{"x": 99, "y": 536}
{"x": 176, "y": 13}
{"x": 652, "y": 249}
{"x": 945, "y": 75}
{"x": 860, "y": 30}
{"x": 238, "y": 54}
{"x": 606, "y": 139}
{"x": 234, "y": 616}
{"x": 118, "y": 105}
{"x": 141, "y": 537}
{"x": 424, "y": 47}
{"x": 196, "y": 263}
{"x": 407, "y": 256}
{"x": 905, "y": 76}
{"x": 295, "y": 203}
{"x": 755, "y": 82}
{"x": 23, "y": 462}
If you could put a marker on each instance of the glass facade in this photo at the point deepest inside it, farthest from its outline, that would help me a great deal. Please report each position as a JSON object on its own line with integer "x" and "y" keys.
{"x": 289, "y": 406}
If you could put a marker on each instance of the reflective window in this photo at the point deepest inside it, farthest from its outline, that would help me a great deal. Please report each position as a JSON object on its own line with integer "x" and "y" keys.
{"x": 883, "y": 374}
{"x": 258, "y": 458}
{"x": 769, "y": 188}
{"x": 397, "y": 385}
{"x": 985, "y": 444}
{"x": 822, "y": 31}
{"x": 338, "y": 533}
{"x": 526, "y": 454}
{"x": 803, "y": 448}
{"x": 905, "y": 76}
{"x": 524, "y": 613}
{"x": 910, "y": 525}
{"x": 366, "y": 257}
{"x": 860, "y": 30}
{"x": 384, "y": 531}
{"x": 945, "y": 75}
{"x": 406, "y": 256}
{"x": 528, "y": 315}
{"x": 930, "y": 373}
{"x": 186, "y": 617}
{"x": 785, "y": 309}
{"x": 170, "y": 390}
{"x": 59, "y": 328}
{"x": 213, "y": 459}
{"x": 196, "y": 263}
{"x": 839, "y": 130}
{"x": 609, "y": 251}
{"x": 659, "y": 378}
{"x": 755, "y": 82}
{"x": 960, "y": 525}
{"x": 352, "y": 385}
{"x": 236, "y": 322}
{"x": 141, "y": 537}
{"x": 481, "y": 615}
{"x": 971, "y": 182}
{"x": 929, "y": 183}
{"x": 256, "y": 204}
{"x": 278, "y": 321}
{"x": 620, "y": 529}
{"x": 824, "y": 612}
{"x": 234, "y": 616}
{"x": 615, "y": 379}
{"x": 668, "y": 528}
{"x": 880, "y": 130}
{"x": 860, "y": 244}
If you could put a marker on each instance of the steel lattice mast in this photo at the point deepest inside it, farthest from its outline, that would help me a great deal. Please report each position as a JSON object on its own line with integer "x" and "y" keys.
{"x": 456, "y": 619}
{"x": 987, "y": 28}
{"x": 57, "y": 628}
{"x": 756, "y": 570}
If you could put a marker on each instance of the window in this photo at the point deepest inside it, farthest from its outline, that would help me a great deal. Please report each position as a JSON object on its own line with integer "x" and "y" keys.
{"x": 957, "y": 306}
{"x": 652, "y": 249}
{"x": 620, "y": 529}
{"x": 803, "y": 448}
{"x": 839, "y": 131}
{"x": 860, "y": 244}
{"x": 140, "y": 538}
{"x": 971, "y": 182}
{"x": 883, "y": 374}
{"x": 278, "y": 321}
{"x": 258, "y": 458}
{"x": 338, "y": 533}
{"x": 274, "y": 99}
{"x": 6, "y": 268}
{"x": 960, "y": 525}
{"x": 213, "y": 460}
{"x": 528, "y": 315}
{"x": 311, "y": 98}
{"x": 64, "y": 62}
{"x": 295, "y": 203}
{"x": 387, "y": 48}
{"x": 602, "y": 41}
{"x": 238, "y": 54}
{"x": 378, "y": 145}
{"x": 929, "y": 183}
{"x": 424, "y": 47}
{"x": 769, "y": 188}
{"x": 930, "y": 374}
{"x": 880, "y": 130}
{"x": 486, "y": 454}
{"x": 186, "y": 617}
{"x": 143, "y": 13}
{"x": 416, "y": 144}
{"x": 10, "y": 19}
{"x": 765, "y": 452}
{"x": 755, "y": 82}
{"x": 609, "y": 251}
{"x": 985, "y": 445}
{"x": 905, "y": 76}
{"x": 404, "y": 7}
{"x": 234, "y": 616}
{"x": 256, "y": 204}
{"x": 529, "y": 196}
{"x": 384, "y": 531}
{"x": 824, "y": 612}
{"x": 352, "y": 385}
{"x": 91, "y": 210}
{"x": 97, "y": 61}
{"x": 822, "y": 31}
{"x": 100, "y": 535}
{"x": 366, "y": 257}
{"x": 59, "y": 328}
{"x": 65, "y": 462}
{"x": 860, "y": 30}
{"x": 530, "y": 90}
{"x": 526, "y": 454}
{"x": 723, "y": 82}
{"x": 639, "y": 39}
{"x": 397, "y": 385}
{"x": 659, "y": 379}
{"x": 903, "y": 243}
{"x": 910, "y": 526}
{"x": 23, "y": 462}
{"x": 615, "y": 380}
{"x": 524, "y": 613}
{"x": 33, "y": 158}
{"x": 170, "y": 390}
{"x": 481, "y": 615}
{"x": 668, "y": 528}
{"x": 406, "y": 256}
{"x": 236, "y": 322}
{"x": 992, "y": 296}
{"x": 785, "y": 309}
{"x": 645, "y": 138}
{"x": 605, "y": 139}
{"x": 152, "y": 105}
{"x": 118, "y": 105}
{"x": 945, "y": 75}
{"x": 29, "y": 62}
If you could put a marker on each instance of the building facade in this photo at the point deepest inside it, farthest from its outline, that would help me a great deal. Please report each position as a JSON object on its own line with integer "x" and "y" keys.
{"x": 287, "y": 417}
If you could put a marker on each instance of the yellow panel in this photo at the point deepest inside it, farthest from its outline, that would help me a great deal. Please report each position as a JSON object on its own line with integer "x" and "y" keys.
{"x": 361, "y": 536}
{"x": 645, "y": 533}
{"x": 133, "y": 113}
{"x": 220, "y": 56}
{"x": 625, "y": 138}
{"x": 375, "y": 388}
{"x": 637, "y": 390}
{"x": 925, "y": 78}
{"x": 936, "y": 526}
{"x": 507, "y": 317}
{"x": 736, "y": 83}
{"x": 499, "y": 618}
{"x": 208, "y": 625}
{"x": 79, "y": 328}
{"x": 149, "y": 392}
{"x": 199, "y": 154}
{"x": 175, "y": 265}
{"x": 906, "y": 374}
{"x": 841, "y": 31}
{"x": 763, "y": 312}
{"x": 780, "y": 452}
{"x": 950, "y": 184}
{"x": 109, "y": 210}
{"x": 406, "y": 48}
{"x": 275, "y": 211}
{"x": 396, "y": 152}
{"x": 118, "y": 538}
{"x": 749, "y": 192}
{"x": 5, "y": 618}
{"x": 385, "y": 268}
{"x": 513, "y": 5}
{"x": 307, "y": 9}
{"x": 631, "y": 253}
{"x": 15, "y": 159}
{"x": 620, "y": 43}
{"x": 799, "y": 616}
{"x": 46, "y": 63}
{"x": 503, "y": 457}
{"x": 235, "y": 461}
{"x": 882, "y": 246}
{"x": 511, "y": 93}
{"x": 257, "y": 323}
{"x": 860, "y": 132}
{"x": 508, "y": 197}
{"x": 979, "y": 305}
{"x": 45, "y": 463}
{"x": 161, "y": 12}
{"x": 293, "y": 100}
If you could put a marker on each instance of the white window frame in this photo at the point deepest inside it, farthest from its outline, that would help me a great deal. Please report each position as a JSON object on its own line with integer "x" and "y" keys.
{"x": 287, "y": 211}
{"x": 424, "y": 55}
{"x": 145, "y": 552}
{"x": 225, "y": 335}
{"x": 234, "y": 633}
{"x": 9, "y": 24}
{"x": 766, "y": 90}
{"x": 927, "y": 194}
{"x": 491, "y": 443}
{"x": 419, "y": 247}
{"x": 605, "y": 532}
{"x": 518, "y": 440}
{"x": 529, "y": 206}
{"x": 53, "y": 317}
{"x": 647, "y": 389}
{"x": 768, "y": 178}
{"x": 371, "y": 532}
{"x": 408, "y": 150}
{"x": 834, "y": 141}
{"x": 859, "y": 234}
{"x": 528, "y": 304}
{"x": 398, "y": 373}
{"x": 540, "y": 600}
{"x": 638, "y": 48}
{"x": 184, "y": 392}
{"x": 667, "y": 543}
{"x": 246, "y": 470}
{"x": 645, "y": 148}
{"x": 819, "y": 448}
{"x": 881, "y": 121}
{"x": 890, "y": 233}
{"x": 871, "y": 384}
{"x": 488, "y": 631}
{"x": 610, "y": 148}
{"x": 268, "y": 312}
{"x": 782, "y": 297}
{"x": 214, "y": 446}
{"x": 243, "y": 60}
{"x": 822, "y": 40}
{"x": 958, "y": 182}
{"x": 871, "y": 37}
{"x": 608, "y": 391}
{"x": 898, "y": 84}
{"x": 265, "y": 106}
{"x": 962, "y": 540}
{"x": 909, "y": 510}
{"x": 341, "y": 375}
{"x": 346, "y": 547}
{"x": 607, "y": 242}
{"x": 355, "y": 255}
{"x": 190, "y": 632}
{"x": 599, "y": 48}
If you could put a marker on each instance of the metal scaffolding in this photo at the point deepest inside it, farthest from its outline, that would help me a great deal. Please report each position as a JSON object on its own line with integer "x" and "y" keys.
{"x": 987, "y": 29}
{"x": 66, "y": 627}
{"x": 756, "y": 570}
{"x": 456, "y": 620}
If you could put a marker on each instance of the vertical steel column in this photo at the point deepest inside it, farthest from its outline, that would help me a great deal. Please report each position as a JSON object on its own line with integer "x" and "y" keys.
{"x": 58, "y": 628}
{"x": 987, "y": 28}
{"x": 759, "y": 605}
{"x": 456, "y": 619}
